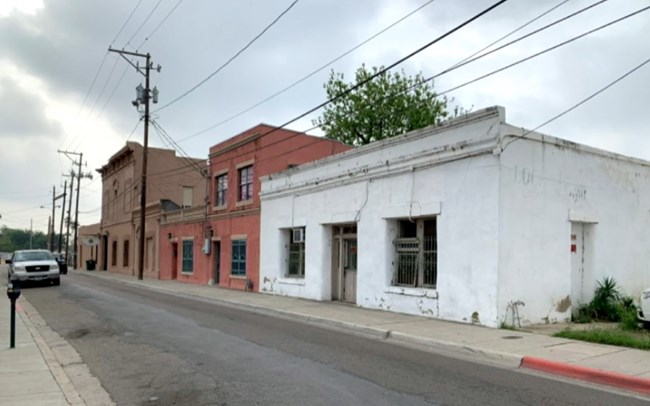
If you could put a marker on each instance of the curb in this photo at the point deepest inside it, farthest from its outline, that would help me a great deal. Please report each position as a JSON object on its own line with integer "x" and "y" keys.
{"x": 456, "y": 349}
{"x": 618, "y": 380}
{"x": 78, "y": 385}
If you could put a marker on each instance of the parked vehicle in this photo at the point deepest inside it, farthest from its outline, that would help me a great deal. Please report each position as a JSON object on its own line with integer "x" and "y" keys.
{"x": 63, "y": 264}
{"x": 644, "y": 306}
{"x": 34, "y": 265}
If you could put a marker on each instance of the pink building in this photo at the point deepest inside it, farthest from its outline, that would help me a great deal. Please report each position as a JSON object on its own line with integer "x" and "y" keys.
{"x": 219, "y": 244}
{"x": 173, "y": 183}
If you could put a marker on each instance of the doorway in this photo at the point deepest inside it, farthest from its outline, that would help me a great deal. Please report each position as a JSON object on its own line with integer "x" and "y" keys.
{"x": 174, "y": 261}
{"x": 104, "y": 265}
{"x": 344, "y": 269}
{"x": 216, "y": 254}
{"x": 581, "y": 253}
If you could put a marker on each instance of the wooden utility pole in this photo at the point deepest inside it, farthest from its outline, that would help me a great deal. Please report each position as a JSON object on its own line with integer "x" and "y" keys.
{"x": 143, "y": 99}
{"x": 50, "y": 228}
{"x": 65, "y": 188}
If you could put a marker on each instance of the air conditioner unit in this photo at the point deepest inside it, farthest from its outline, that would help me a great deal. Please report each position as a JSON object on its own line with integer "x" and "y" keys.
{"x": 206, "y": 246}
{"x": 298, "y": 234}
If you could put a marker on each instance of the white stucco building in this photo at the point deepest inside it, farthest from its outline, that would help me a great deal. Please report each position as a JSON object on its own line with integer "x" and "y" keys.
{"x": 475, "y": 220}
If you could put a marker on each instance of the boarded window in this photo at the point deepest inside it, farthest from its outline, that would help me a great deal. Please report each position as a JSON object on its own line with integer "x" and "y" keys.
{"x": 188, "y": 193}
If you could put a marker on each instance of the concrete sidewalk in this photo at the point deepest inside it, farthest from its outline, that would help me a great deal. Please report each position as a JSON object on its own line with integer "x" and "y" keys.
{"x": 618, "y": 367}
{"x": 26, "y": 376}
{"x": 43, "y": 369}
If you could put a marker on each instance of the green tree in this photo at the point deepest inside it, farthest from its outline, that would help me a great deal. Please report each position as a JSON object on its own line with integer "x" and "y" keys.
{"x": 390, "y": 104}
{"x": 15, "y": 239}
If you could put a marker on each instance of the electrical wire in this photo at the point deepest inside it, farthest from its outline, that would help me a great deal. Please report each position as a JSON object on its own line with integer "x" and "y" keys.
{"x": 172, "y": 145}
{"x": 521, "y": 27}
{"x": 101, "y": 65}
{"x": 458, "y": 65}
{"x": 160, "y": 24}
{"x": 232, "y": 58}
{"x": 143, "y": 23}
{"x": 384, "y": 70}
{"x": 309, "y": 75}
{"x": 580, "y": 103}
{"x": 618, "y": 20}
{"x": 126, "y": 22}
{"x": 394, "y": 64}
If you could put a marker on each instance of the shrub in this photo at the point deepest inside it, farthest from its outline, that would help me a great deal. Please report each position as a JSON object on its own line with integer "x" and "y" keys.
{"x": 606, "y": 300}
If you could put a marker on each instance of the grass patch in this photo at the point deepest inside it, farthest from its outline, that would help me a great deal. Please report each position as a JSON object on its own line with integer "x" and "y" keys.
{"x": 631, "y": 339}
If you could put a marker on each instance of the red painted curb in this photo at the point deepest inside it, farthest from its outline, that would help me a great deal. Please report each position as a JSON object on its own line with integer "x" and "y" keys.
{"x": 633, "y": 383}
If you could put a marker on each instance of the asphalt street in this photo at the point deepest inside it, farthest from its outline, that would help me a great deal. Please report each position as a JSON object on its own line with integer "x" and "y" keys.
{"x": 149, "y": 348}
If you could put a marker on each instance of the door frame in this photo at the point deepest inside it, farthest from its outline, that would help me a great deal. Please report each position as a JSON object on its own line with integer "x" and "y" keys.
{"x": 216, "y": 262}
{"x": 174, "y": 261}
{"x": 341, "y": 234}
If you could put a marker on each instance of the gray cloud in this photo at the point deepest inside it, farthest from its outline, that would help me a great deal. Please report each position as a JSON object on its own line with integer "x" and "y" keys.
{"x": 23, "y": 113}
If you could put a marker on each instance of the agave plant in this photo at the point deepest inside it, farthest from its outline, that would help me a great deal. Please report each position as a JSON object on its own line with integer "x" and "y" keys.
{"x": 606, "y": 298}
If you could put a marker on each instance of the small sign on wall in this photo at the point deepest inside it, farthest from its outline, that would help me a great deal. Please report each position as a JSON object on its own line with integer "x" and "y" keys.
{"x": 574, "y": 248}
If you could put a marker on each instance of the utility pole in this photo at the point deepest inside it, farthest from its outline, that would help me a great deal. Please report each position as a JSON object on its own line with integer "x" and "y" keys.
{"x": 50, "y": 227}
{"x": 67, "y": 223}
{"x": 142, "y": 97}
{"x": 79, "y": 175}
{"x": 65, "y": 187}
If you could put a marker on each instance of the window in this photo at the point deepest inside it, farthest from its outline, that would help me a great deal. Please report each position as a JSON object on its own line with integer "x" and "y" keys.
{"x": 221, "y": 187}
{"x": 246, "y": 183}
{"x": 296, "y": 268}
{"x": 127, "y": 195}
{"x": 188, "y": 192}
{"x": 188, "y": 256}
{"x": 238, "y": 263}
{"x": 125, "y": 254}
{"x": 416, "y": 253}
{"x": 114, "y": 254}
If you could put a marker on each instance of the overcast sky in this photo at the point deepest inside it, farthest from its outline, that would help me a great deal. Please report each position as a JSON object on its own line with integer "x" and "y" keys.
{"x": 53, "y": 50}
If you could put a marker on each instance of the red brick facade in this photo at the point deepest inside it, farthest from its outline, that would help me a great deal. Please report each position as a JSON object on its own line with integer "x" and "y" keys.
{"x": 231, "y": 224}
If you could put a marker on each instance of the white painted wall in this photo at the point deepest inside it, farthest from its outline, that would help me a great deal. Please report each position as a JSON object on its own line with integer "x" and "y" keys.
{"x": 450, "y": 173}
{"x": 546, "y": 183}
{"x": 504, "y": 211}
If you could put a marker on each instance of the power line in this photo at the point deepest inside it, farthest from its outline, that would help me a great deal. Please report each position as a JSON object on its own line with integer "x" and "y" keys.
{"x": 309, "y": 75}
{"x": 580, "y": 103}
{"x": 126, "y": 22}
{"x": 467, "y": 61}
{"x": 541, "y": 52}
{"x": 172, "y": 145}
{"x": 99, "y": 68}
{"x": 231, "y": 58}
{"x": 521, "y": 27}
{"x": 394, "y": 64}
{"x": 458, "y": 65}
{"x": 161, "y": 23}
{"x": 143, "y": 23}
{"x": 384, "y": 70}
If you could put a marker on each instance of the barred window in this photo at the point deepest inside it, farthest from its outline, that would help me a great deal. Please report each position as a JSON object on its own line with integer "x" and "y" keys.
{"x": 296, "y": 262}
{"x": 188, "y": 256}
{"x": 416, "y": 253}
{"x": 238, "y": 258}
